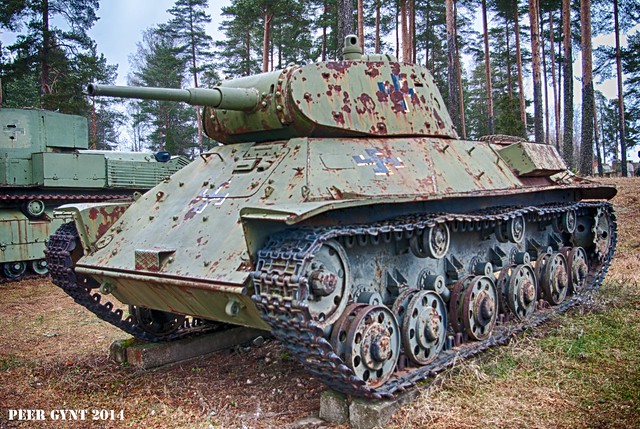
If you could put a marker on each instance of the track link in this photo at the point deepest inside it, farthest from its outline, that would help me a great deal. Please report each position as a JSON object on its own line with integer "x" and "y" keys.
{"x": 282, "y": 292}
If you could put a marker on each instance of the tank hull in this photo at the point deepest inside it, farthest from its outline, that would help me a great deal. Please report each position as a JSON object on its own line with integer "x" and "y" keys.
{"x": 191, "y": 244}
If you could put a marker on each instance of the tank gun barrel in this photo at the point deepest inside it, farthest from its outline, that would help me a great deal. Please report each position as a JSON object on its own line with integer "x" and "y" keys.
{"x": 217, "y": 97}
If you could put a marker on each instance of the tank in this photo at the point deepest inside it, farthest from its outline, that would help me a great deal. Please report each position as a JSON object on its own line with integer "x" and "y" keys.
{"x": 344, "y": 215}
{"x": 44, "y": 162}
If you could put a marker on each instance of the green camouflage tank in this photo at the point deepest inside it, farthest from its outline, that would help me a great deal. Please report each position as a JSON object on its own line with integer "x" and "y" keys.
{"x": 344, "y": 214}
{"x": 44, "y": 162}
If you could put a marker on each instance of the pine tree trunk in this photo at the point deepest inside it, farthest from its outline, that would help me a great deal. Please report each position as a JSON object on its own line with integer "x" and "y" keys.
{"x": 345, "y": 21}
{"x": 452, "y": 76}
{"x": 46, "y": 45}
{"x": 377, "y": 47}
{"x": 194, "y": 65}
{"x": 361, "y": 25}
{"x": 412, "y": 29}
{"x": 324, "y": 32}
{"x": 247, "y": 53}
{"x": 535, "y": 59}
{"x": 523, "y": 109}
{"x": 427, "y": 30}
{"x": 463, "y": 125}
{"x": 546, "y": 86}
{"x": 487, "y": 67}
{"x": 567, "y": 143}
{"x": 509, "y": 78}
{"x": 586, "y": 146}
{"x": 597, "y": 140}
{"x": 404, "y": 25}
{"x": 556, "y": 99}
{"x": 265, "y": 40}
{"x": 397, "y": 30}
{"x": 621, "y": 130}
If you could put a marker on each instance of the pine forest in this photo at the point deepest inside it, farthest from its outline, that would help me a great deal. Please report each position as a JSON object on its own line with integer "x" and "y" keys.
{"x": 513, "y": 67}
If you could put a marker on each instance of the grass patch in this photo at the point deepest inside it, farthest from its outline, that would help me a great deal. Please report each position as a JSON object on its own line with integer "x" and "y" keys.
{"x": 8, "y": 362}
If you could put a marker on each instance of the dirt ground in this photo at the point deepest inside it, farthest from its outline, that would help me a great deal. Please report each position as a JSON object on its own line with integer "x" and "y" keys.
{"x": 54, "y": 357}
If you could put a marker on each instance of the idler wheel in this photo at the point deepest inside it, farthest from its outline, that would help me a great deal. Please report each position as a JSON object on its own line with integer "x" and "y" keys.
{"x": 367, "y": 337}
{"x": 424, "y": 327}
{"x": 522, "y": 292}
{"x": 39, "y": 266}
{"x": 555, "y": 279}
{"x": 433, "y": 242}
{"x": 156, "y": 322}
{"x": 602, "y": 234}
{"x": 480, "y": 308}
{"x": 513, "y": 230}
{"x": 328, "y": 279}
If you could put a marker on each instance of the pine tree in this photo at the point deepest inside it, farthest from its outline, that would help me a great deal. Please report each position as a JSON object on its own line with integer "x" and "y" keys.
{"x": 50, "y": 52}
{"x": 48, "y": 66}
{"x": 345, "y": 20}
{"x": 157, "y": 63}
{"x": 187, "y": 28}
{"x": 487, "y": 69}
{"x": 452, "y": 69}
{"x": 586, "y": 146}
{"x": 534, "y": 17}
{"x": 237, "y": 53}
{"x": 567, "y": 141}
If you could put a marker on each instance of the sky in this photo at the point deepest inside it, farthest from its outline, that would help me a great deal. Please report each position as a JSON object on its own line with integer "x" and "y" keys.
{"x": 122, "y": 23}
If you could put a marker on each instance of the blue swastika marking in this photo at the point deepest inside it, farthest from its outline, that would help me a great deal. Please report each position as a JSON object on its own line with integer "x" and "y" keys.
{"x": 381, "y": 165}
{"x": 398, "y": 97}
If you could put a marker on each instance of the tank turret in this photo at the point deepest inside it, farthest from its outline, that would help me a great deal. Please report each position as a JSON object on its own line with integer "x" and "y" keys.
{"x": 345, "y": 216}
{"x": 365, "y": 95}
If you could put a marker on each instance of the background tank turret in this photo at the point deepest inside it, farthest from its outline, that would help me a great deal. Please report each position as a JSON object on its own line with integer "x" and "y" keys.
{"x": 345, "y": 215}
{"x": 44, "y": 162}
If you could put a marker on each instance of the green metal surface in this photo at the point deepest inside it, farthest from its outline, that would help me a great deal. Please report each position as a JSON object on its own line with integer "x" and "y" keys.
{"x": 23, "y": 239}
{"x": 191, "y": 221}
{"x": 44, "y": 162}
{"x": 530, "y": 160}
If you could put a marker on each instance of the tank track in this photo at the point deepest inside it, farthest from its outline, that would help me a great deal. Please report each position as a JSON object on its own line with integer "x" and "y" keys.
{"x": 282, "y": 290}
{"x": 64, "y": 197}
{"x": 59, "y": 254}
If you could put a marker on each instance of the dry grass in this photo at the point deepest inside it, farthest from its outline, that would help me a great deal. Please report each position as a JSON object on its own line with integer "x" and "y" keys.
{"x": 54, "y": 356}
{"x": 581, "y": 370}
